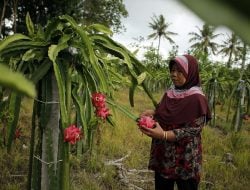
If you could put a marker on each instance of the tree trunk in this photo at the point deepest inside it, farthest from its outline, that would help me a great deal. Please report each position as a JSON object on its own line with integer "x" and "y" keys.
{"x": 158, "y": 51}
{"x": 2, "y": 17}
{"x": 229, "y": 62}
{"x": 15, "y": 3}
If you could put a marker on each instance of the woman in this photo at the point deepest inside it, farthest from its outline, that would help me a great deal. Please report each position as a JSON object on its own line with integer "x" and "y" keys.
{"x": 176, "y": 152}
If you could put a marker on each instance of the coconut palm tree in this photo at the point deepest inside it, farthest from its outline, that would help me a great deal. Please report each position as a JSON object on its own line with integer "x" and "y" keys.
{"x": 231, "y": 47}
{"x": 160, "y": 28}
{"x": 203, "y": 40}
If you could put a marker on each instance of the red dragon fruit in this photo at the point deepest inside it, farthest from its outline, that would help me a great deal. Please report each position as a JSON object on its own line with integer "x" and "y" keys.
{"x": 146, "y": 121}
{"x": 72, "y": 134}
{"x": 98, "y": 100}
{"x": 102, "y": 112}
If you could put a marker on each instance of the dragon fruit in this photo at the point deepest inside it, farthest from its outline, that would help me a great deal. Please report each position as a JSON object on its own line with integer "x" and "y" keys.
{"x": 72, "y": 134}
{"x": 98, "y": 100}
{"x": 102, "y": 112}
{"x": 146, "y": 121}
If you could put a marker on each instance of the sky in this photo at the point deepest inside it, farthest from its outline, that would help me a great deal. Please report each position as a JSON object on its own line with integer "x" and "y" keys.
{"x": 182, "y": 21}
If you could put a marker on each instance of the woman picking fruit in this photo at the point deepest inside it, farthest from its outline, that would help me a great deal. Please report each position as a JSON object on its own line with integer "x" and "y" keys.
{"x": 176, "y": 151}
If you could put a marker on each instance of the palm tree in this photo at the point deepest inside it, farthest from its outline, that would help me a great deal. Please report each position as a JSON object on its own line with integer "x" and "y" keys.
{"x": 203, "y": 40}
{"x": 231, "y": 47}
{"x": 160, "y": 28}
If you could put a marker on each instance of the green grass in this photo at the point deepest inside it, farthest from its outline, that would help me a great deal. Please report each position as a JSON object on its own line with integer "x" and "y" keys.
{"x": 89, "y": 172}
{"x": 219, "y": 174}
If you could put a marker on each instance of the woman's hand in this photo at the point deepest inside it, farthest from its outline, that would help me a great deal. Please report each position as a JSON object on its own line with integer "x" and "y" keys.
{"x": 156, "y": 132}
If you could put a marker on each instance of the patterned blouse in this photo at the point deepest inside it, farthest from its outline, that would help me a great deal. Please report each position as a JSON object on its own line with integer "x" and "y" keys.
{"x": 180, "y": 159}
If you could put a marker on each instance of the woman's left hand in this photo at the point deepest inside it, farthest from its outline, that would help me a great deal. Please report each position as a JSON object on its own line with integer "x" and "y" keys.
{"x": 156, "y": 132}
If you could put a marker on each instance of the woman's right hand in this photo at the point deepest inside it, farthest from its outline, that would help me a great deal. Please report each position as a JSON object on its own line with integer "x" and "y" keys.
{"x": 156, "y": 132}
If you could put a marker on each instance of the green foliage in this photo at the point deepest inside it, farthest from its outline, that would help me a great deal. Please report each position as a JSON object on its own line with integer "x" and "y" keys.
{"x": 232, "y": 48}
{"x": 16, "y": 81}
{"x": 108, "y": 13}
{"x": 13, "y": 116}
{"x": 80, "y": 58}
{"x": 233, "y": 14}
{"x": 157, "y": 79}
{"x": 203, "y": 40}
{"x": 29, "y": 25}
{"x": 11, "y": 39}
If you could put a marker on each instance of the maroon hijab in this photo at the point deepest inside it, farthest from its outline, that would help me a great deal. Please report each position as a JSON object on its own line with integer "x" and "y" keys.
{"x": 184, "y": 104}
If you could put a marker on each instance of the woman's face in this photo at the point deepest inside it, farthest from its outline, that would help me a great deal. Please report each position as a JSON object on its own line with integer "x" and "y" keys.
{"x": 177, "y": 76}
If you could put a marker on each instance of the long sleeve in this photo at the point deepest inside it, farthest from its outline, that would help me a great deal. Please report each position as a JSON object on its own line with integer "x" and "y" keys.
{"x": 191, "y": 129}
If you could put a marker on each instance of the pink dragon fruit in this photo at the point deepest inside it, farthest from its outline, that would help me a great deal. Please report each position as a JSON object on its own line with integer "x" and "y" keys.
{"x": 102, "y": 112}
{"x": 146, "y": 121}
{"x": 72, "y": 134}
{"x": 98, "y": 100}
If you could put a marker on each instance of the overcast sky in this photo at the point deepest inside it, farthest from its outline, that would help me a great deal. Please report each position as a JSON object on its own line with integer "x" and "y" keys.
{"x": 181, "y": 19}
